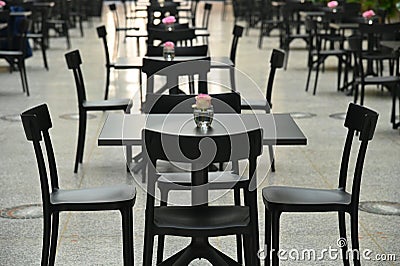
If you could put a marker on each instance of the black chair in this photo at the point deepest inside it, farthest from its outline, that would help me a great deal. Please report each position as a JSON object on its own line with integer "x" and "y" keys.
{"x": 38, "y": 32}
{"x": 276, "y": 62}
{"x": 229, "y": 63}
{"x": 292, "y": 25}
{"x": 200, "y": 221}
{"x": 118, "y": 28}
{"x": 37, "y": 122}
{"x": 279, "y": 199}
{"x": 172, "y": 70}
{"x": 74, "y": 62}
{"x": 269, "y": 20}
{"x": 59, "y": 20}
{"x": 317, "y": 55}
{"x": 118, "y": 63}
{"x": 15, "y": 49}
{"x": 182, "y": 103}
{"x": 206, "y": 17}
{"x": 190, "y": 12}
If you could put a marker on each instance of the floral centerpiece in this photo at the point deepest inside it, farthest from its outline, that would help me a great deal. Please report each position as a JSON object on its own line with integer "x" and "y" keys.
{"x": 203, "y": 111}
{"x": 169, "y": 51}
{"x": 2, "y": 4}
{"x": 333, "y": 5}
{"x": 368, "y": 15}
{"x": 169, "y": 23}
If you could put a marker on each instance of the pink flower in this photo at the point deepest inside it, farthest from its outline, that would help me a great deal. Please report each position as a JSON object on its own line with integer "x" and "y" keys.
{"x": 203, "y": 101}
{"x": 2, "y": 3}
{"x": 368, "y": 14}
{"x": 333, "y": 4}
{"x": 169, "y": 45}
{"x": 169, "y": 20}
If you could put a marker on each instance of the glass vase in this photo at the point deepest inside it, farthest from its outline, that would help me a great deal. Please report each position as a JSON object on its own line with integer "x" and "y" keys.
{"x": 203, "y": 117}
{"x": 169, "y": 27}
{"x": 169, "y": 53}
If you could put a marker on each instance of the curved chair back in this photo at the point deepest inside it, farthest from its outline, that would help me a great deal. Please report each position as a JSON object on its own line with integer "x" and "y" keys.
{"x": 237, "y": 33}
{"x": 102, "y": 33}
{"x": 74, "y": 62}
{"x": 362, "y": 121}
{"x": 182, "y": 103}
{"x": 276, "y": 61}
{"x": 206, "y": 15}
{"x": 37, "y": 122}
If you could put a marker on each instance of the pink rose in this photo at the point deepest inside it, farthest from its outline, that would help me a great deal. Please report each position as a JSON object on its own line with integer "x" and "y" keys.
{"x": 169, "y": 45}
{"x": 333, "y": 4}
{"x": 2, "y": 3}
{"x": 169, "y": 20}
{"x": 368, "y": 14}
{"x": 203, "y": 101}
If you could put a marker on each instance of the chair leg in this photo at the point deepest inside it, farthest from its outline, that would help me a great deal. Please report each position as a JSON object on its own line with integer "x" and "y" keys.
{"x": 66, "y": 32}
{"x": 81, "y": 139}
{"x": 232, "y": 77}
{"x": 354, "y": 238}
{"x": 316, "y": 76}
{"x": 161, "y": 238}
{"x": 43, "y": 47}
{"x": 362, "y": 94}
{"x": 108, "y": 70}
{"x": 148, "y": 246}
{"x": 271, "y": 157}
{"x": 127, "y": 236}
{"x": 21, "y": 73}
{"x": 239, "y": 245}
{"x": 309, "y": 75}
{"x": 54, "y": 238}
{"x": 247, "y": 250}
{"x": 339, "y": 73}
{"x": 275, "y": 238}
{"x": 267, "y": 241}
{"x": 46, "y": 237}
{"x": 342, "y": 233}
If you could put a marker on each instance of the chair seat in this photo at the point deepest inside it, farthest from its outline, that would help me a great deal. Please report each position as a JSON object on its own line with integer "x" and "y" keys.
{"x": 200, "y": 32}
{"x": 128, "y": 63}
{"x": 295, "y": 198}
{"x": 5, "y": 53}
{"x": 380, "y": 80}
{"x": 221, "y": 62}
{"x": 100, "y": 197}
{"x": 114, "y": 104}
{"x": 259, "y": 104}
{"x": 330, "y": 52}
{"x": 217, "y": 180}
{"x": 201, "y": 220}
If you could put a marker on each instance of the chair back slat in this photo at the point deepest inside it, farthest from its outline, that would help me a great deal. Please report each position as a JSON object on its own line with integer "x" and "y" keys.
{"x": 74, "y": 62}
{"x": 237, "y": 33}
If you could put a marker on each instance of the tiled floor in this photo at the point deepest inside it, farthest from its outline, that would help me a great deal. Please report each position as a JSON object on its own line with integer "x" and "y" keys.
{"x": 95, "y": 238}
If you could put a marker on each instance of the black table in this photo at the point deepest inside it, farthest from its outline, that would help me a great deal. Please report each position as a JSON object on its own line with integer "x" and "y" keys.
{"x": 278, "y": 129}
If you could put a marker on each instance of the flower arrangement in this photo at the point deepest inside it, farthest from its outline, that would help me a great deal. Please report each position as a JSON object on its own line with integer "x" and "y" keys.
{"x": 169, "y": 20}
{"x": 203, "y": 101}
{"x": 2, "y": 3}
{"x": 203, "y": 111}
{"x": 169, "y": 51}
{"x": 332, "y": 4}
{"x": 368, "y": 14}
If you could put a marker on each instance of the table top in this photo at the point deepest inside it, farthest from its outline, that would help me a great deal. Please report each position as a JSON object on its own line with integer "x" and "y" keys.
{"x": 311, "y": 13}
{"x": 343, "y": 26}
{"x": 126, "y": 129}
{"x": 394, "y": 45}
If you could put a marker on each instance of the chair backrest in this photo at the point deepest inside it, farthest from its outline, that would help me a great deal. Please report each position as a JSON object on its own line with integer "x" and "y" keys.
{"x": 361, "y": 120}
{"x": 37, "y": 122}
{"x": 176, "y": 68}
{"x": 200, "y": 150}
{"x": 351, "y": 11}
{"x": 276, "y": 61}
{"x": 206, "y": 15}
{"x": 182, "y": 103}
{"x": 102, "y": 33}
{"x": 155, "y": 13}
{"x": 200, "y": 50}
{"x": 182, "y": 37}
{"x": 237, "y": 33}
{"x": 176, "y": 26}
{"x": 113, "y": 9}
{"x": 379, "y": 31}
{"x": 355, "y": 45}
{"x": 193, "y": 10}
{"x": 74, "y": 62}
